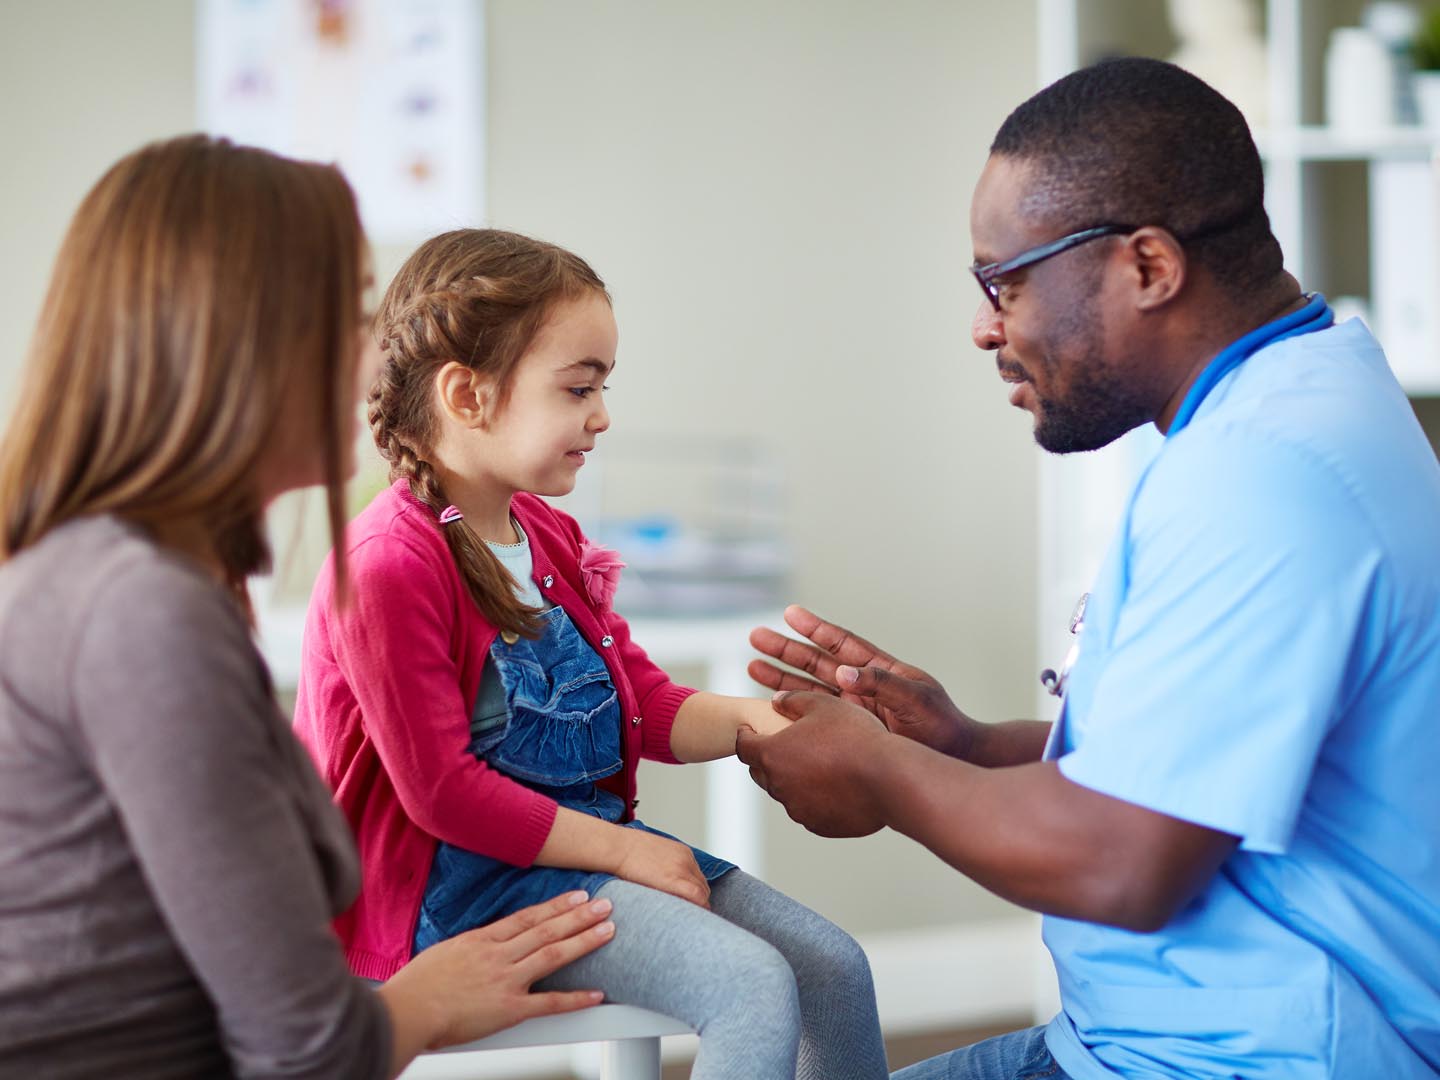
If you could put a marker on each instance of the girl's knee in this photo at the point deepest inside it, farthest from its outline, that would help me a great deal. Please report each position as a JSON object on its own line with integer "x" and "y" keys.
{"x": 847, "y": 955}
{"x": 836, "y": 959}
{"x": 765, "y": 976}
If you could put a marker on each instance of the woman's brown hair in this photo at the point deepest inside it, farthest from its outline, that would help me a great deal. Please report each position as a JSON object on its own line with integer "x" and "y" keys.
{"x": 478, "y": 297}
{"x": 200, "y": 287}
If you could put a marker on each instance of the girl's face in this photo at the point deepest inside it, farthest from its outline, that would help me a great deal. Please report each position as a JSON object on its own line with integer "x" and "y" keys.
{"x": 537, "y": 439}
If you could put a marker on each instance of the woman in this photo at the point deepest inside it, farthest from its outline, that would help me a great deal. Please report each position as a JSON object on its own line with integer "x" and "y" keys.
{"x": 169, "y": 860}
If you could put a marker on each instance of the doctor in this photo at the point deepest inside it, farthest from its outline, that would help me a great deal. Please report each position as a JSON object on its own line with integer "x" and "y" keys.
{"x": 1233, "y": 828}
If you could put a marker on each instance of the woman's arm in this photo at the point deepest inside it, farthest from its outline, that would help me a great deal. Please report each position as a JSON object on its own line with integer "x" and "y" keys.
{"x": 227, "y": 822}
{"x": 225, "y": 818}
{"x": 478, "y": 982}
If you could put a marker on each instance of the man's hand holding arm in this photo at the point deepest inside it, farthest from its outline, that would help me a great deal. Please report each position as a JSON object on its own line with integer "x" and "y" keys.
{"x": 1024, "y": 831}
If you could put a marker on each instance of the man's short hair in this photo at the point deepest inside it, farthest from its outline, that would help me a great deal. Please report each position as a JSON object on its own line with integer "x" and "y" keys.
{"x": 1134, "y": 141}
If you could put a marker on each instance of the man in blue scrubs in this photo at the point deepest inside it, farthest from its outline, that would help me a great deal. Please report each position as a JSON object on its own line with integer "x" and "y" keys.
{"x": 1234, "y": 826}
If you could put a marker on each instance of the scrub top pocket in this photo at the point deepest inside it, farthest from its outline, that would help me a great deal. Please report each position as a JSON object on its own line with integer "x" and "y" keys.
{"x": 564, "y": 713}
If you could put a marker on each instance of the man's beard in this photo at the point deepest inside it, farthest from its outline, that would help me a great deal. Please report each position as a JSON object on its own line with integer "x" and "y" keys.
{"x": 1100, "y": 404}
{"x": 1097, "y": 411}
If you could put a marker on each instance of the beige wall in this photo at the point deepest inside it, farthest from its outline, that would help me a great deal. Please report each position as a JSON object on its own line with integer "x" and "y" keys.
{"x": 776, "y": 192}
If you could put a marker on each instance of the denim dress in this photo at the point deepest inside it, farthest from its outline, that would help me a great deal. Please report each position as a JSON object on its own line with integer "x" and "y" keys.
{"x": 558, "y": 733}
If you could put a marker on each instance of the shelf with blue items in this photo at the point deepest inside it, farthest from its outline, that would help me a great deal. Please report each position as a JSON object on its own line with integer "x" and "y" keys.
{"x": 677, "y": 570}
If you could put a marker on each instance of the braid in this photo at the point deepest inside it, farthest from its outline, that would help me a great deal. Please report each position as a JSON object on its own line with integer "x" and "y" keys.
{"x": 491, "y": 586}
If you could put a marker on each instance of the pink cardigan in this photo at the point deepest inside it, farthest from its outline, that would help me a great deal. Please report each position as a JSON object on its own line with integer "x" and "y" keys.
{"x": 386, "y": 687}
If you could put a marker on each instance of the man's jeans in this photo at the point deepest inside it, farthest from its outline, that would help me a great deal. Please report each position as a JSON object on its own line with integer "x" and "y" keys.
{"x": 1021, "y": 1055}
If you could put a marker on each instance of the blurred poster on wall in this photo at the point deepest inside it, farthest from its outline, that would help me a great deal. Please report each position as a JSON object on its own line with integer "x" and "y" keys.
{"x": 391, "y": 90}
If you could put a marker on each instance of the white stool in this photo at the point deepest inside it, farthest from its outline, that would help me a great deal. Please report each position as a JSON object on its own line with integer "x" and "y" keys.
{"x": 631, "y": 1036}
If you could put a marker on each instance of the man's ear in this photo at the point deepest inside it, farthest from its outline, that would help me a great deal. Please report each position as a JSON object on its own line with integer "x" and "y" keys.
{"x": 464, "y": 395}
{"x": 1158, "y": 266}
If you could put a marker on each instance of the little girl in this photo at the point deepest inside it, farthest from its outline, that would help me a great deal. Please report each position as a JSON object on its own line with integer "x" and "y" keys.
{"x": 479, "y": 709}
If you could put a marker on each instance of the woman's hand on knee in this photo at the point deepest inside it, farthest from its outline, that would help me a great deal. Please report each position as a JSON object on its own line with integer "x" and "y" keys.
{"x": 478, "y": 982}
{"x": 664, "y": 864}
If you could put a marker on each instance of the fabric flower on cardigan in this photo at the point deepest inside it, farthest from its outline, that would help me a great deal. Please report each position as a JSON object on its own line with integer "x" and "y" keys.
{"x": 600, "y": 570}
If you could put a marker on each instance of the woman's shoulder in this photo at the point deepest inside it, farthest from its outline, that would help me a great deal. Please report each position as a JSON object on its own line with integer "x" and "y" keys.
{"x": 101, "y": 587}
{"x": 90, "y": 564}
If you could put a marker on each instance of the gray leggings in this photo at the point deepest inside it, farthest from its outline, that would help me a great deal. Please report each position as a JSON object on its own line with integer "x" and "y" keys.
{"x": 775, "y": 991}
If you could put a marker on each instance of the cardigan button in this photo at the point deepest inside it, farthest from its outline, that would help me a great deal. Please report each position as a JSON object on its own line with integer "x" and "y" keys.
{"x": 607, "y": 641}
{"x": 548, "y": 580}
{"x": 634, "y": 721}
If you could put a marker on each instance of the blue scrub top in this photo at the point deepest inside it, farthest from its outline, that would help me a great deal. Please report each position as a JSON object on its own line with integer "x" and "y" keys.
{"x": 1261, "y": 655}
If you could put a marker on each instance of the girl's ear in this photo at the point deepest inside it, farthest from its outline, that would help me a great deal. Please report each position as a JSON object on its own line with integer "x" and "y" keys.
{"x": 464, "y": 396}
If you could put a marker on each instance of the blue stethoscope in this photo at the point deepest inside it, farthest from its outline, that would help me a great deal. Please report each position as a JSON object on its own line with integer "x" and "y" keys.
{"x": 1315, "y": 315}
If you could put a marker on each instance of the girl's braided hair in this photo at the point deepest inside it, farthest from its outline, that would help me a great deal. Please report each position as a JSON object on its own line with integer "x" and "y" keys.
{"x": 478, "y": 297}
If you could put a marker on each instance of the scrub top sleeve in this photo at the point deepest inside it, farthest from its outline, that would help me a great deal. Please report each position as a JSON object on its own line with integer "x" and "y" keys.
{"x": 1249, "y": 573}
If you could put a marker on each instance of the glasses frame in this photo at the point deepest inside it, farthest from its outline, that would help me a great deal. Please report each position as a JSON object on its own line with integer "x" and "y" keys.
{"x": 987, "y": 273}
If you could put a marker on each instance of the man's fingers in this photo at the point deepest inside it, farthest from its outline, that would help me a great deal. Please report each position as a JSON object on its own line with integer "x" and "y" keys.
{"x": 747, "y": 744}
{"x": 512, "y": 926}
{"x": 874, "y": 682}
{"x": 840, "y": 643}
{"x": 795, "y": 704}
{"x": 797, "y": 654}
{"x": 551, "y": 957}
{"x": 898, "y": 693}
{"x": 773, "y": 678}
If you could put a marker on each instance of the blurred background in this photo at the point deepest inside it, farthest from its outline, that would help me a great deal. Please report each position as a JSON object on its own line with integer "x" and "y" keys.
{"x": 776, "y": 193}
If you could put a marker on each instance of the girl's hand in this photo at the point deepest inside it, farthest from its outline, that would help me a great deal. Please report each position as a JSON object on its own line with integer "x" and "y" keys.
{"x": 664, "y": 864}
{"x": 478, "y": 982}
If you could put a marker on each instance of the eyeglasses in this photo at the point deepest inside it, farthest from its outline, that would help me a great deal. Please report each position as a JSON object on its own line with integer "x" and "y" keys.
{"x": 986, "y": 275}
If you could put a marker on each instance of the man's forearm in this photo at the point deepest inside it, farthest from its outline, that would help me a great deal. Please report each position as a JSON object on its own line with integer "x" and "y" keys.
{"x": 1011, "y": 742}
{"x": 1031, "y": 836}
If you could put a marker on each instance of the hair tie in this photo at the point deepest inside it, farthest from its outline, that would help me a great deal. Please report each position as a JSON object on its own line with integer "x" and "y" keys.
{"x": 450, "y": 515}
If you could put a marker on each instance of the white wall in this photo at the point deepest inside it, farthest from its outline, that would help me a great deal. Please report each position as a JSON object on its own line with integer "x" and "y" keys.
{"x": 776, "y": 192}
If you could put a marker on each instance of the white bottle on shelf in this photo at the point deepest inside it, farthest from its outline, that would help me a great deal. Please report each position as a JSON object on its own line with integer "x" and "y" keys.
{"x": 1404, "y": 280}
{"x": 1359, "y": 82}
{"x": 1220, "y": 41}
{"x": 1394, "y": 22}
